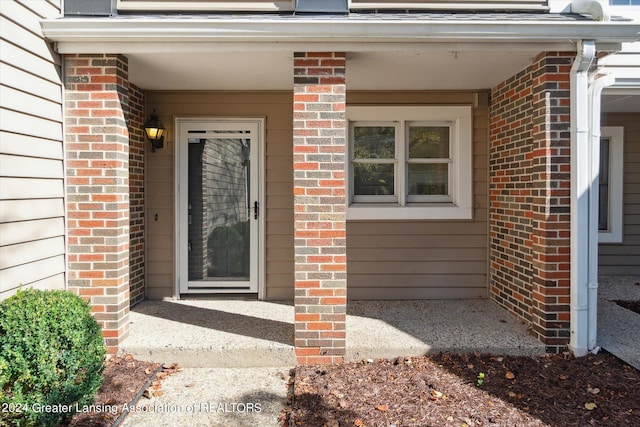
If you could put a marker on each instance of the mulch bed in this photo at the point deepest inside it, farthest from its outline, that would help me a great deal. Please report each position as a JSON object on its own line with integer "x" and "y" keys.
{"x": 445, "y": 390}
{"x": 629, "y": 305}
{"x": 124, "y": 377}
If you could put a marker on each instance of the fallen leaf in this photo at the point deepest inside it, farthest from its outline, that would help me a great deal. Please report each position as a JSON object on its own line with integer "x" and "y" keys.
{"x": 593, "y": 390}
{"x": 382, "y": 408}
{"x": 511, "y": 394}
{"x": 436, "y": 394}
{"x": 158, "y": 393}
{"x": 509, "y": 375}
{"x": 563, "y": 377}
{"x": 590, "y": 406}
{"x": 358, "y": 422}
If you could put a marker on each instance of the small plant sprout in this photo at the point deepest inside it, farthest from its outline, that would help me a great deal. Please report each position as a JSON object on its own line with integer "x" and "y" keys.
{"x": 480, "y": 379}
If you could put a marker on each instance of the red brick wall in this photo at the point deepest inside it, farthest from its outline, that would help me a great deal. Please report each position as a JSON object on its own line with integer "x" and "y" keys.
{"x": 135, "y": 121}
{"x": 97, "y": 152}
{"x": 529, "y": 197}
{"x": 319, "y": 207}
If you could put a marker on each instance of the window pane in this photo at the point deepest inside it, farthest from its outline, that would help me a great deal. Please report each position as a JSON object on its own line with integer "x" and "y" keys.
{"x": 603, "y": 193}
{"x": 373, "y": 179}
{"x": 429, "y": 142}
{"x": 428, "y": 179}
{"x": 374, "y": 142}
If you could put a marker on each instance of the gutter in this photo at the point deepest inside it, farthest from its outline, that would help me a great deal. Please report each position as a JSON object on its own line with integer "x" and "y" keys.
{"x": 330, "y": 33}
{"x": 580, "y": 192}
{"x": 595, "y": 92}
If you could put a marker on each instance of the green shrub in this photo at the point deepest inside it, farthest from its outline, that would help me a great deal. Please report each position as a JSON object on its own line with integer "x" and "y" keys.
{"x": 51, "y": 357}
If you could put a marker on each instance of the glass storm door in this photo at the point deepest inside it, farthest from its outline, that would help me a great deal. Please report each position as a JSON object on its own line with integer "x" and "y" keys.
{"x": 218, "y": 206}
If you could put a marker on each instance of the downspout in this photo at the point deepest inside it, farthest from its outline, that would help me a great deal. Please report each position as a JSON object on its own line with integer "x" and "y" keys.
{"x": 595, "y": 93}
{"x": 580, "y": 185}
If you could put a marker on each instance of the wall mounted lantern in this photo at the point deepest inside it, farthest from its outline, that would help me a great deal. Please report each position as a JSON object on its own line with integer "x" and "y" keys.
{"x": 154, "y": 130}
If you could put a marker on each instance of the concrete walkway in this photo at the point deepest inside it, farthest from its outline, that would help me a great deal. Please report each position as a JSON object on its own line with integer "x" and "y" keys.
{"x": 227, "y": 333}
{"x": 619, "y": 328}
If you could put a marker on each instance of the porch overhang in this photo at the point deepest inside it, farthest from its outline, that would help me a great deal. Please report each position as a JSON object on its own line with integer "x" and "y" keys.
{"x": 134, "y": 34}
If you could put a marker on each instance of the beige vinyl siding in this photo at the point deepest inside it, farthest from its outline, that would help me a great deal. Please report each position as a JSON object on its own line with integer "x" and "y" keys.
{"x": 288, "y": 5}
{"x": 32, "y": 229}
{"x": 423, "y": 259}
{"x": 205, "y": 5}
{"x": 276, "y": 108}
{"x": 624, "y": 258}
{"x": 392, "y": 259}
{"x": 449, "y": 4}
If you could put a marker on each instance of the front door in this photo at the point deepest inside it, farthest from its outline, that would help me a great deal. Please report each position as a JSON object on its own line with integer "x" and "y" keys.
{"x": 218, "y": 205}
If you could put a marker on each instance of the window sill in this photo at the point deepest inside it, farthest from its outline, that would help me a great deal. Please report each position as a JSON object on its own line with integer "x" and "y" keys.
{"x": 445, "y": 211}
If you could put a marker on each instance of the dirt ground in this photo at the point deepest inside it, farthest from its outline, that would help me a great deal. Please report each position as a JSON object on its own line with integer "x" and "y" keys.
{"x": 124, "y": 377}
{"x": 469, "y": 390}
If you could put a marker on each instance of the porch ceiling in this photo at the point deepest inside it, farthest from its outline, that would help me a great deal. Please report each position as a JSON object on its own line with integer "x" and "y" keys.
{"x": 440, "y": 69}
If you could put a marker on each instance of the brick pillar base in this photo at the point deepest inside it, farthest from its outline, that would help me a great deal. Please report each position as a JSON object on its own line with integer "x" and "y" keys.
{"x": 97, "y": 151}
{"x": 319, "y": 203}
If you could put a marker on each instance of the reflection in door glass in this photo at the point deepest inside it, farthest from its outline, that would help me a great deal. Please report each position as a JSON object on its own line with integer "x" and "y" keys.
{"x": 219, "y": 244}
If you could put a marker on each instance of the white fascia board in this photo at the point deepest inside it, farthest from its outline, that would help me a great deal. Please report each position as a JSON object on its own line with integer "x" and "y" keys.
{"x": 328, "y": 33}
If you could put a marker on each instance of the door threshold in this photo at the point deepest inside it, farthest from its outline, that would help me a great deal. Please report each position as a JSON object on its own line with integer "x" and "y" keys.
{"x": 214, "y": 296}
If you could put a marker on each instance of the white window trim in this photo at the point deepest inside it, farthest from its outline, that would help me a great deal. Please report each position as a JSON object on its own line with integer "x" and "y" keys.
{"x": 615, "y": 134}
{"x": 461, "y": 208}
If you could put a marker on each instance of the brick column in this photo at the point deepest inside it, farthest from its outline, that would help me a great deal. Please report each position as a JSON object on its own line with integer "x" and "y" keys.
{"x": 551, "y": 216}
{"x": 97, "y": 151}
{"x": 530, "y": 197}
{"x": 319, "y": 136}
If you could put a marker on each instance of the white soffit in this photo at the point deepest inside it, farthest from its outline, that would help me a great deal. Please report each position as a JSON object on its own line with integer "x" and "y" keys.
{"x": 451, "y": 70}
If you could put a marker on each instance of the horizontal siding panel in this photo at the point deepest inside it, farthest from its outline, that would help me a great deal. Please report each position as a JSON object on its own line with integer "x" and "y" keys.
{"x": 43, "y": 9}
{"x": 13, "y": 77}
{"x": 30, "y": 167}
{"x": 29, "y": 62}
{"x": 463, "y": 241}
{"x": 15, "y": 122}
{"x": 35, "y": 105}
{"x": 30, "y": 188}
{"x": 30, "y": 146}
{"x": 19, "y": 13}
{"x": 424, "y": 267}
{"x": 411, "y": 281}
{"x": 52, "y": 282}
{"x": 417, "y": 254}
{"x": 621, "y": 260}
{"x": 11, "y": 278}
{"x": 18, "y": 35}
{"x": 408, "y": 228}
{"x": 23, "y": 253}
{"x": 12, "y": 233}
{"x": 25, "y": 210}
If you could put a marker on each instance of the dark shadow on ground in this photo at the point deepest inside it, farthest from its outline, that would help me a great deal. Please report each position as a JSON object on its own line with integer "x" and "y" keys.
{"x": 240, "y": 324}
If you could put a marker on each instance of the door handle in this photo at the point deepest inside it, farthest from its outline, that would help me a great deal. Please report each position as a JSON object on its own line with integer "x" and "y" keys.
{"x": 255, "y": 210}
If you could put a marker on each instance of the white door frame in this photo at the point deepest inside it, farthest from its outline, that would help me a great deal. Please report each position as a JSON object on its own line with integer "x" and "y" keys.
{"x": 180, "y": 182}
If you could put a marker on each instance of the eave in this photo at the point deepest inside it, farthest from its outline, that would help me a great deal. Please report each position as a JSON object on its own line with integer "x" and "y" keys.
{"x": 165, "y": 33}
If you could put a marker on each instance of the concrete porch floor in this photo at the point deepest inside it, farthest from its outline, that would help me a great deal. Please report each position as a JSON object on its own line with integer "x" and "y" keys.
{"x": 241, "y": 333}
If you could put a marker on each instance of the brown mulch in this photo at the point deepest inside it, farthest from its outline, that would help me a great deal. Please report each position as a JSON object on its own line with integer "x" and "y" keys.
{"x": 444, "y": 390}
{"x": 629, "y": 305}
{"x": 124, "y": 377}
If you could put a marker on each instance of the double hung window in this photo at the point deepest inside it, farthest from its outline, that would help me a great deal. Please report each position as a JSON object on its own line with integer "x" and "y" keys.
{"x": 416, "y": 160}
